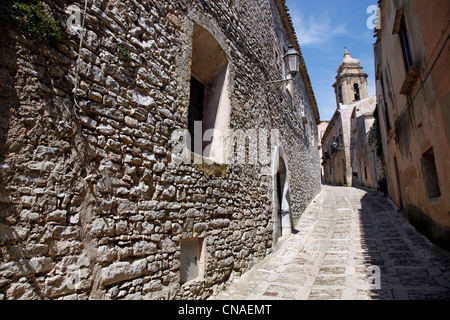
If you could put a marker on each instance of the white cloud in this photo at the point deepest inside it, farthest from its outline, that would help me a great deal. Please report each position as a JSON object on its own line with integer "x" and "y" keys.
{"x": 315, "y": 30}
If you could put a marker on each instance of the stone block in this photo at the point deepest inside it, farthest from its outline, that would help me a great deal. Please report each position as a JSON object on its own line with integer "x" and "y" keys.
{"x": 123, "y": 271}
{"x": 169, "y": 193}
{"x": 45, "y": 153}
{"x": 169, "y": 246}
{"x": 106, "y": 129}
{"x": 58, "y": 286}
{"x": 131, "y": 122}
{"x": 57, "y": 216}
{"x": 144, "y": 248}
{"x": 199, "y": 227}
{"x": 127, "y": 207}
{"x": 112, "y": 84}
{"x": 21, "y": 291}
{"x": 41, "y": 264}
{"x": 30, "y": 216}
{"x": 219, "y": 223}
{"x": 159, "y": 167}
{"x": 15, "y": 269}
{"x": 41, "y": 166}
{"x": 95, "y": 96}
{"x": 141, "y": 100}
{"x": 153, "y": 285}
{"x": 106, "y": 254}
{"x": 88, "y": 121}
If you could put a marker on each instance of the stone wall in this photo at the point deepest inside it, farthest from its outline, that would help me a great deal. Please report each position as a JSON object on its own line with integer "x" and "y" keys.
{"x": 91, "y": 205}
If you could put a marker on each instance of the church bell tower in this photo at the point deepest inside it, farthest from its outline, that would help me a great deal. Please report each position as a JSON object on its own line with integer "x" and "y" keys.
{"x": 351, "y": 82}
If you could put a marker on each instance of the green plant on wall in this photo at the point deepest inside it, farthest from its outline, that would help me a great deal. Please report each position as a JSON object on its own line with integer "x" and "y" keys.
{"x": 37, "y": 23}
{"x": 124, "y": 52}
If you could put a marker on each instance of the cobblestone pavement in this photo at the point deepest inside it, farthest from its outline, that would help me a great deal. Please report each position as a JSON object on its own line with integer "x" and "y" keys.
{"x": 350, "y": 244}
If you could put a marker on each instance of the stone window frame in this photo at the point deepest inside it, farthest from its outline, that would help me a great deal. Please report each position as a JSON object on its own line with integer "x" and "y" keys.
{"x": 432, "y": 187}
{"x": 200, "y": 259}
{"x": 195, "y": 17}
{"x": 412, "y": 69}
{"x": 286, "y": 220}
{"x": 401, "y": 29}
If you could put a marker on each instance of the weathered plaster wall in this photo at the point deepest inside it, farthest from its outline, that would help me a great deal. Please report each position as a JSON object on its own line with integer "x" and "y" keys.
{"x": 364, "y": 160}
{"x": 418, "y": 120}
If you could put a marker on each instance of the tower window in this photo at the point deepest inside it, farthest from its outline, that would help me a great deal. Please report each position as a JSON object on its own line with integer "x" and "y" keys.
{"x": 356, "y": 90}
{"x": 431, "y": 177}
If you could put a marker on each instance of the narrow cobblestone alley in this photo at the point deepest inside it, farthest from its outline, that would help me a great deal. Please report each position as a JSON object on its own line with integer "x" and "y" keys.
{"x": 350, "y": 244}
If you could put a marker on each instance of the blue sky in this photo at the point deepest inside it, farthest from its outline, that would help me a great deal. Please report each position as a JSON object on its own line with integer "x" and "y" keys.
{"x": 324, "y": 28}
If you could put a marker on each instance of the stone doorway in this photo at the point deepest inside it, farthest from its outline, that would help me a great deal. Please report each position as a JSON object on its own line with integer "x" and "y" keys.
{"x": 282, "y": 216}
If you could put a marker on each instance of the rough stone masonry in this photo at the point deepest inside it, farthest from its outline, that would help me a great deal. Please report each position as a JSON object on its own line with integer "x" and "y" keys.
{"x": 91, "y": 205}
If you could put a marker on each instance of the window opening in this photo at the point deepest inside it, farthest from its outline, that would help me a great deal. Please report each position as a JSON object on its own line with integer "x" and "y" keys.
{"x": 209, "y": 101}
{"x": 386, "y": 111}
{"x": 195, "y": 107}
{"x": 431, "y": 176}
{"x": 399, "y": 187}
{"x": 191, "y": 264}
{"x": 406, "y": 48}
{"x": 357, "y": 93}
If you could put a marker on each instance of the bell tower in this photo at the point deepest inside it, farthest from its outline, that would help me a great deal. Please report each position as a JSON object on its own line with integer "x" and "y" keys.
{"x": 351, "y": 81}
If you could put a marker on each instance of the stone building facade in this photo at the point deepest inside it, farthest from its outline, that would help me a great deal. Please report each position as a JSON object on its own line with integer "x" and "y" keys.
{"x": 92, "y": 203}
{"x": 366, "y": 164}
{"x": 413, "y": 90}
{"x": 322, "y": 127}
{"x": 345, "y": 141}
{"x": 333, "y": 152}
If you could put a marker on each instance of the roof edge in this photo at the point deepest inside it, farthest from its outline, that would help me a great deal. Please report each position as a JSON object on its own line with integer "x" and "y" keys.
{"x": 289, "y": 27}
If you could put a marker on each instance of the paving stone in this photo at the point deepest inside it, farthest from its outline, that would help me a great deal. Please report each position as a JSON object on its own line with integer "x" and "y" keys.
{"x": 325, "y": 294}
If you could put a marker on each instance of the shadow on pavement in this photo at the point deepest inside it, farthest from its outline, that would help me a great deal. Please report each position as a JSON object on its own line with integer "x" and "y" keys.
{"x": 406, "y": 266}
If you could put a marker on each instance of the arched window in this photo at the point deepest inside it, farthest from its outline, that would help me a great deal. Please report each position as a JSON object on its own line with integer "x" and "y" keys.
{"x": 209, "y": 101}
{"x": 357, "y": 94}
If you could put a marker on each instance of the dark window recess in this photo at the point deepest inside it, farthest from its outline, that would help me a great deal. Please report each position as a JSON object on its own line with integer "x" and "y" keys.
{"x": 195, "y": 107}
{"x": 386, "y": 111}
{"x": 406, "y": 48}
{"x": 399, "y": 185}
{"x": 357, "y": 94}
{"x": 431, "y": 177}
